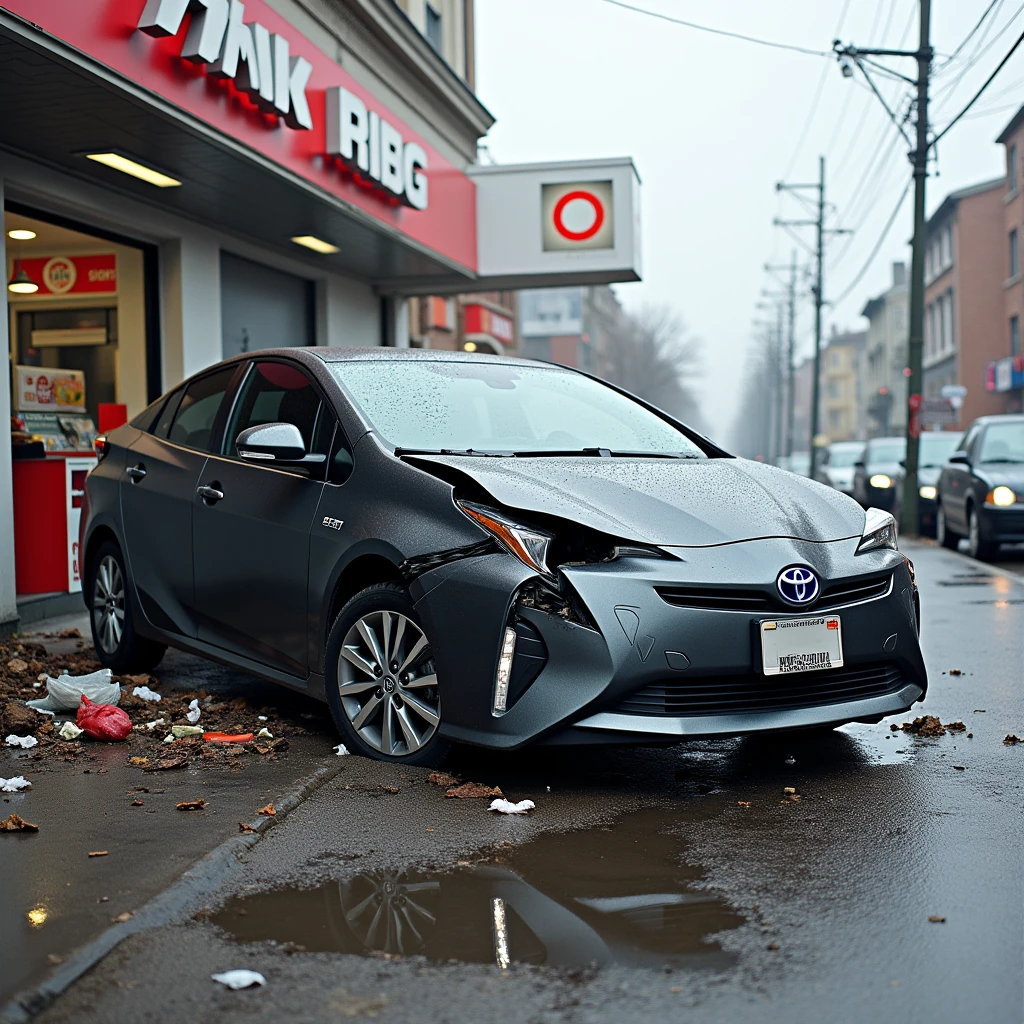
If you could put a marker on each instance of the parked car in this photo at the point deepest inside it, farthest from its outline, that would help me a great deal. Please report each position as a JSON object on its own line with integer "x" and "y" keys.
{"x": 935, "y": 446}
{"x": 448, "y": 547}
{"x": 878, "y": 474}
{"x": 838, "y": 466}
{"x": 981, "y": 487}
{"x": 799, "y": 463}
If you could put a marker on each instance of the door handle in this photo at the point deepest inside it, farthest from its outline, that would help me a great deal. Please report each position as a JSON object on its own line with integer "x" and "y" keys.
{"x": 208, "y": 493}
{"x": 136, "y": 472}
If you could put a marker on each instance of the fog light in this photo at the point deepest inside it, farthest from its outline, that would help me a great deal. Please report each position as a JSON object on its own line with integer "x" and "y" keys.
{"x": 1001, "y": 496}
{"x": 928, "y": 493}
{"x": 881, "y": 481}
{"x": 508, "y": 650}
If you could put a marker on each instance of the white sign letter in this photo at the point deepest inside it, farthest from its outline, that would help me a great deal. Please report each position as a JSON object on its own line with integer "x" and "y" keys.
{"x": 415, "y": 179}
{"x": 205, "y": 33}
{"x": 348, "y": 127}
{"x": 238, "y": 46}
{"x": 391, "y": 171}
{"x": 298, "y": 115}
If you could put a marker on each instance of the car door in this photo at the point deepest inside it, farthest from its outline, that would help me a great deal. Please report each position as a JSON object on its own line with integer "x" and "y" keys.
{"x": 157, "y": 491}
{"x": 958, "y": 483}
{"x": 251, "y": 546}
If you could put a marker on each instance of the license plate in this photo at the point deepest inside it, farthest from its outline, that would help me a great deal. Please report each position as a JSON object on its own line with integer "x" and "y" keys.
{"x": 801, "y": 645}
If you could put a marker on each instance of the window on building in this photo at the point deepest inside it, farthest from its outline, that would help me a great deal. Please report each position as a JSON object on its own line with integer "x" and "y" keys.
{"x": 1011, "y": 168}
{"x": 947, "y": 246}
{"x": 1014, "y": 335}
{"x": 434, "y": 28}
{"x": 1014, "y": 254}
{"x": 947, "y": 322}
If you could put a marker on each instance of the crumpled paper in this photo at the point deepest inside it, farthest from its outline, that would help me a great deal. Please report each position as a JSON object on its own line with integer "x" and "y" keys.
{"x": 193, "y": 712}
{"x": 156, "y": 721}
{"x": 145, "y": 693}
{"x": 264, "y": 734}
{"x": 181, "y": 731}
{"x": 507, "y": 807}
{"x": 239, "y": 979}
{"x": 341, "y": 750}
{"x": 65, "y": 692}
{"x": 25, "y": 742}
{"x": 69, "y": 731}
{"x": 15, "y": 785}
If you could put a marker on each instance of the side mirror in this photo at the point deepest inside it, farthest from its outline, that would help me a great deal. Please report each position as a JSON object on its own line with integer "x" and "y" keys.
{"x": 858, "y": 465}
{"x": 960, "y": 458}
{"x": 279, "y": 443}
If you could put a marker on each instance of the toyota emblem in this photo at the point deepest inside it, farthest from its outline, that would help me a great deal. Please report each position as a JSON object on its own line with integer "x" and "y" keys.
{"x": 798, "y": 585}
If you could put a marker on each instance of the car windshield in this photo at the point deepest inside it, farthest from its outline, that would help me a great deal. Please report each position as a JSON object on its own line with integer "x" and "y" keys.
{"x": 890, "y": 449}
{"x": 479, "y": 407}
{"x": 1003, "y": 442}
{"x": 844, "y": 458}
{"x": 800, "y": 462}
{"x": 936, "y": 447}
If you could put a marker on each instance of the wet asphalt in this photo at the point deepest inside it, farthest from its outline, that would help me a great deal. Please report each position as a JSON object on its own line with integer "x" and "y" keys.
{"x": 668, "y": 884}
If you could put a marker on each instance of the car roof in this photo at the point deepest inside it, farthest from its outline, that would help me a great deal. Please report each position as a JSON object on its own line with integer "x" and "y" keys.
{"x": 380, "y": 354}
{"x": 1004, "y": 417}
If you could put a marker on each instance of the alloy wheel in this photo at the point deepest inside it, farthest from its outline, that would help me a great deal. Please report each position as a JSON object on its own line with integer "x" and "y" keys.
{"x": 108, "y": 604}
{"x": 387, "y": 683}
{"x": 390, "y": 912}
{"x": 974, "y": 533}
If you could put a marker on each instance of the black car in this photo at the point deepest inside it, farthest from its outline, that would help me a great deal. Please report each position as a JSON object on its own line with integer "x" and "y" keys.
{"x": 453, "y": 547}
{"x": 878, "y": 474}
{"x": 981, "y": 488}
{"x": 935, "y": 446}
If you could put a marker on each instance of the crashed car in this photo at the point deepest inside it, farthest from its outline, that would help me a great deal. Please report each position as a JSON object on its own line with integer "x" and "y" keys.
{"x": 465, "y": 548}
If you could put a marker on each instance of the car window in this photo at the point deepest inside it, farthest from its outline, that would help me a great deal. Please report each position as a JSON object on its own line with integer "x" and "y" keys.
{"x": 936, "y": 447}
{"x": 329, "y": 440}
{"x": 195, "y": 417}
{"x": 1003, "y": 442}
{"x": 166, "y": 418}
{"x": 890, "y": 449}
{"x": 274, "y": 393}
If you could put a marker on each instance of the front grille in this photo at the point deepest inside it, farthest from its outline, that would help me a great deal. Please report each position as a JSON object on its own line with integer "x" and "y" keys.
{"x": 718, "y": 695}
{"x": 834, "y": 594}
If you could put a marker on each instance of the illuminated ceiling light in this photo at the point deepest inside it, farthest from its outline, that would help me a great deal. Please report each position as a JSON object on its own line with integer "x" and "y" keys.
{"x": 136, "y": 170}
{"x": 21, "y": 234}
{"x": 20, "y": 283}
{"x": 316, "y": 244}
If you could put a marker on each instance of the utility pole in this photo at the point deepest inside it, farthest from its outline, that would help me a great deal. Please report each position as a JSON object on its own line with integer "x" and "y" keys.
{"x": 919, "y": 160}
{"x": 779, "y": 383}
{"x": 790, "y": 297}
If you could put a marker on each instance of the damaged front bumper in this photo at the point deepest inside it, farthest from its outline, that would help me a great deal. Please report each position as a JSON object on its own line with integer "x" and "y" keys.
{"x": 648, "y": 650}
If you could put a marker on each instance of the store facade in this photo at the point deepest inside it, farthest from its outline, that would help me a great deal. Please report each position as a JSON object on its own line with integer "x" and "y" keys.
{"x": 183, "y": 180}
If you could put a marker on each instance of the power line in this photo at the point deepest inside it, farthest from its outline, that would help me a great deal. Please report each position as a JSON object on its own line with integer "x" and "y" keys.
{"x": 970, "y": 35}
{"x": 720, "y": 31}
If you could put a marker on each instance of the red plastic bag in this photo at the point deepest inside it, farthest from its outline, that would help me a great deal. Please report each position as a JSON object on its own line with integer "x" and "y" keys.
{"x": 103, "y": 721}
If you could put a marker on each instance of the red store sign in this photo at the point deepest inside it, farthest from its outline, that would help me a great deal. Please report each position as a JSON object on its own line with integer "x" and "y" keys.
{"x": 481, "y": 320}
{"x": 243, "y": 69}
{"x": 72, "y": 275}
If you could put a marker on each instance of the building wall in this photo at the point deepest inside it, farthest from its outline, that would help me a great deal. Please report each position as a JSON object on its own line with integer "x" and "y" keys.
{"x": 885, "y": 397}
{"x": 1013, "y": 294}
{"x": 8, "y": 603}
{"x": 840, "y": 391}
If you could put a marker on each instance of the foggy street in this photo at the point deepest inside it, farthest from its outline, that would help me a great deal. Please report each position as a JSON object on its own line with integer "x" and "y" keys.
{"x": 869, "y": 871}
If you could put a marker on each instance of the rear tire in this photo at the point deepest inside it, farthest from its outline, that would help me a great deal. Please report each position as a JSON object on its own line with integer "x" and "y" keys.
{"x": 118, "y": 646}
{"x": 380, "y": 678}
{"x": 943, "y": 534}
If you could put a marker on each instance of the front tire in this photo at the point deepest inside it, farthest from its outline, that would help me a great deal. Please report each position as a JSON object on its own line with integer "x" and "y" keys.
{"x": 943, "y": 534}
{"x": 118, "y": 646}
{"x": 980, "y": 548}
{"x": 381, "y": 684}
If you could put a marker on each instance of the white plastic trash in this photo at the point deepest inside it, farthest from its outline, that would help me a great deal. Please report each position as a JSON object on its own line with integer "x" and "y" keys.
{"x": 146, "y": 694}
{"x": 264, "y": 734}
{"x": 239, "y": 979}
{"x": 25, "y": 742}
{"x": 341, "y": 750}
{"x": 193, "y": 712}
{"x": 14, "y": 785}
{"x": 65, "y": 692}
{"x": 507, "y": 807}
{"x": 69, "y": 731}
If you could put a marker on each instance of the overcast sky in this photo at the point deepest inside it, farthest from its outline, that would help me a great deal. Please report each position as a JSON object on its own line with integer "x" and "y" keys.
{"x": 712, "y": 123}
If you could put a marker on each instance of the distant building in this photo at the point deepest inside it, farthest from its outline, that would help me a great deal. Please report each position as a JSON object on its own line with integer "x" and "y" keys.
{"x": 1004, "y": 375}
{"x": 885, "y": 389}
{"x": 842, "y": 371}
{"x": 803, "y": 380}
{"x": 572, "y": 326}
{"x": 479, "y": 322}
{"x": 971, "y": 260}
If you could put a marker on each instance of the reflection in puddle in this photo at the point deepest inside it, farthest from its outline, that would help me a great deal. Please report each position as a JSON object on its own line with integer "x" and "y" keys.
{"x": 618, "y": 894}
{"x": 880, "y": 747}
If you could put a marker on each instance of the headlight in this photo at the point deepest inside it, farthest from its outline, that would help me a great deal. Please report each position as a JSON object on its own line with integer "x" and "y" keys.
{"x": 881, "y": 481}
{"x": 879, "y": 531}
{"x": 1001, "y": 496}
{"x": 528, "y": 544}
{"x": 928, "y": 493}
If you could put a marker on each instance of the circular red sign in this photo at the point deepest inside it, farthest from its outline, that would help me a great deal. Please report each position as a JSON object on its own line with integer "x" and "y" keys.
{"x": 578, "y": 236}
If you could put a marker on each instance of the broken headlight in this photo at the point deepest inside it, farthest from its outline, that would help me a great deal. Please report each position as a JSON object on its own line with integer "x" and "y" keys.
{"x": 527, "y": 543}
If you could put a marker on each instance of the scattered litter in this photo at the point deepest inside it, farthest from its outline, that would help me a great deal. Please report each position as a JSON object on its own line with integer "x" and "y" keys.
{"x": 268, "y": 811}
{"x": 25, "y": 742}
{"x": 956, "y": 727}
{"x": 181, "y": 731}
{"x": 15, "y": 823}
{"x": 141, "y": 762}
{"x": 169, "y": 738}
{"x": 956, "y": 672}
{"x": 960, "y": 767}
{"x": 121, "y": 918}
{"x": 1012, "y": 740}
{"x": 507, "y": 807}
{"x": 225, "y": 737}
{"x": 244, "y": 827}
{"x": 156, "y": 721}
{"x": 99, "y": 853}
{"x": 936, "y": 918}
{"x": 926, "y": 725}
{"x": 66, "y": 692}
{"x": 191, "y": 805}
{"x": 103, "y": 721}
{"x": 789, "y": 790}
{"x": 14, "y": 785}
{"x": 193, "y": 712}
{"x": 264, "y": 734}
{"x": 138, "y": 803}
{"x": 442, "y": 779}
{"x": 743, "y": 803}
{"x": 239, "y": 979}
{"x": 70, "y": 731}
{"x": 261, "y": 718}
{"x": 17, "y": 665}
{"x": 145, "y": 693}
{"x": 790, "y": 760}
{"x": 473, "y": 791}
{"x": 772, "y": 945}
{"x": 341, "y": 750}
{"x": 166, "y": 762}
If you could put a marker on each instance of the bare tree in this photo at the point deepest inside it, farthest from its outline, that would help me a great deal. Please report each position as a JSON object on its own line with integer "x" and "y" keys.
{"x": 653, "y": 355}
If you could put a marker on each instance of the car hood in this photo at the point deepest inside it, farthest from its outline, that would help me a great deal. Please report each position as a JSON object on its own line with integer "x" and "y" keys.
{"x": 928, "y": 475}
{"x": 1006, "y": 474}
{"x": 669, "y": 502}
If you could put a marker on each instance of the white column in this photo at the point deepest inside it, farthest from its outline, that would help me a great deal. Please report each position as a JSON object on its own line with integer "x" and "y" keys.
{"x": 399, "y": 321}
{"x": 190, "y": 306}
{"x": 8, "y": 603}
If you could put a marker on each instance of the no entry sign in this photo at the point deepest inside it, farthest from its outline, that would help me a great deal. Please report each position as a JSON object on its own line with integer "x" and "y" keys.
{"x": 577, "y": 215}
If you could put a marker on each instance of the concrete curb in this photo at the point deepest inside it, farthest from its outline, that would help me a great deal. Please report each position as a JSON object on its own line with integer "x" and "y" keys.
{"x": 983, "y": 567}
{"x": 173, "y": 904}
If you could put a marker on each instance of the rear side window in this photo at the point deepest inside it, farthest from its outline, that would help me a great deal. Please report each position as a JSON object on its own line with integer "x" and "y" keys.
{"x": 274, "y": 393}
{"x": 166, "y": 418}
{"x": 194, "y": 420}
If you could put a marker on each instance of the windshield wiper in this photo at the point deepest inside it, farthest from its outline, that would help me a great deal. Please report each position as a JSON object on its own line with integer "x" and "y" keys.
{"x": 451, "y": 451}
{"x": 1004, "y": 458}
{"x": 602, "y": 453}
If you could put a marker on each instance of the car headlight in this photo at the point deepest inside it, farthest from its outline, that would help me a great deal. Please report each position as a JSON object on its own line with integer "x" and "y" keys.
{"x": 928, "y": 492}
{"x": 881, "y": 481}
{"x": 879, "y": 531}
{"x": 1001, "y": 496}
{"x": 527, "y": 543}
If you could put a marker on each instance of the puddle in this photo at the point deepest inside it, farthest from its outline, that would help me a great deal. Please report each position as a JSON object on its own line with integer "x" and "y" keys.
{"x": 878, "y": 746}
{"x": 619, "y": 894}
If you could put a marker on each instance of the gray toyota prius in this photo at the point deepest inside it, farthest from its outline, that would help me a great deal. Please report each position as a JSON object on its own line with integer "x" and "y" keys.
{"x": 461, "y": 548}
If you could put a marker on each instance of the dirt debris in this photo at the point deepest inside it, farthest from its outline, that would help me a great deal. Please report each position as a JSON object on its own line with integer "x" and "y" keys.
{"x": 473, "y": 791}
{"x": 16, "y": 823}
{"x": 268, "y": 811}
{"x": 191, "y": 805}
{"x": 1011, "y": 740}
{"x": 442, "y": 779}
{"x": 926, "y": 725}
